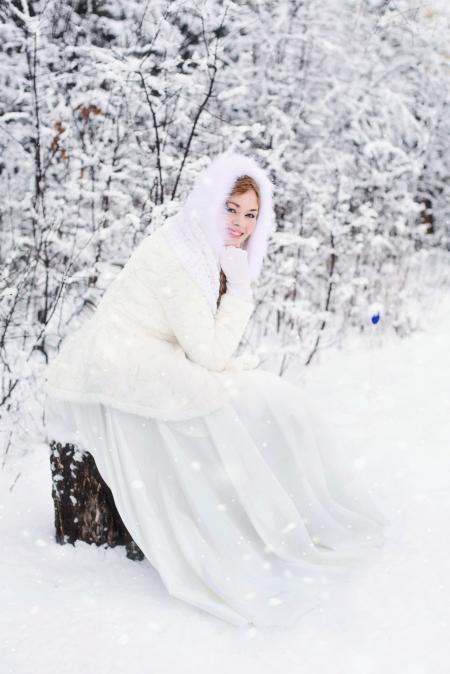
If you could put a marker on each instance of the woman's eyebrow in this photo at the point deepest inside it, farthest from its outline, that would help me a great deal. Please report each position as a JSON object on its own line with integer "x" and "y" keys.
{"x": 233, "y": 202}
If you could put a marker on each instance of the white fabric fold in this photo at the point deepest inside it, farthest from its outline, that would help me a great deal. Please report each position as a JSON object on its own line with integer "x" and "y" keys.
{"x": 250, "y": 513}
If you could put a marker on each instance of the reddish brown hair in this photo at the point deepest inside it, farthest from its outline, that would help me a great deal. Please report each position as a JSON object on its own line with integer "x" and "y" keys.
{"x": 243, "y": 184}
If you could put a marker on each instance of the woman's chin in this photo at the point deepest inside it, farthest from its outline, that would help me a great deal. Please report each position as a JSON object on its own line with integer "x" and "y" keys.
{"x": 238, "y": 242}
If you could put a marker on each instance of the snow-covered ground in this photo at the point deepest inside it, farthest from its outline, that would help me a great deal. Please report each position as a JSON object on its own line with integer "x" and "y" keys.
{"x": 84, "y": 609}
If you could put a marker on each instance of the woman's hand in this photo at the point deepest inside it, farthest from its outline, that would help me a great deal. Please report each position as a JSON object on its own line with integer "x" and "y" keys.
{"x": 234, "y": 262}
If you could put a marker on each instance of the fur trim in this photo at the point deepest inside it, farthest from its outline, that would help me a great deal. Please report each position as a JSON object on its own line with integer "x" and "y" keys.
{"x": 197, "y": 233}
{"x": 206, "y": 202}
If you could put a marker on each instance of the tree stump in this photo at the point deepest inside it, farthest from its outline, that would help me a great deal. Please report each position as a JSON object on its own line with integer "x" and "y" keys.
{"x": 83, "y": 502}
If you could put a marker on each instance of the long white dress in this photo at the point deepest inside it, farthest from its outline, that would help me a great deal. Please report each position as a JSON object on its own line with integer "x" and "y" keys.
{"x": 252, "y": 512}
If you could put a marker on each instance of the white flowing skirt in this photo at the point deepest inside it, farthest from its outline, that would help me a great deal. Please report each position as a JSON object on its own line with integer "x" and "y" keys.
{"x": 251, "y": 513}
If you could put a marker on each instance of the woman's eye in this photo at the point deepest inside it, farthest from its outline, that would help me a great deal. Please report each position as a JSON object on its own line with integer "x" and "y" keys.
{"x": 233, "y": 210}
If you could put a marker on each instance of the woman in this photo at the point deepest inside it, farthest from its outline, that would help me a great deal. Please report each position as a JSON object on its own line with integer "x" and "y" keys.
{"x": 224, "y": 474}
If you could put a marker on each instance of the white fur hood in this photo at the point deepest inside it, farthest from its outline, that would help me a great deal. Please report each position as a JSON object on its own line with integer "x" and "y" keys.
{"x": 197, "y": 233}
{"x": 208, "y": 197}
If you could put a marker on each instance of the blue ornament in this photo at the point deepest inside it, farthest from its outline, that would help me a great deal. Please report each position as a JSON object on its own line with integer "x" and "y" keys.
{"x": 375, "y": 318}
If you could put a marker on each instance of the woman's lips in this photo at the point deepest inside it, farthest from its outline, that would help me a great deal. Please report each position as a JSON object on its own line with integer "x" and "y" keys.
{"x": 235, "y": 233}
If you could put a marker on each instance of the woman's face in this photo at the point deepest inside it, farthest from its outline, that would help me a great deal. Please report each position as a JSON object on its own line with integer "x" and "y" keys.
{"x": 241, "y": 212}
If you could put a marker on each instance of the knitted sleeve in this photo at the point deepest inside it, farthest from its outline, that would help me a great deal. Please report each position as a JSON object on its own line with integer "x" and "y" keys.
{"x": 206, "y": 338}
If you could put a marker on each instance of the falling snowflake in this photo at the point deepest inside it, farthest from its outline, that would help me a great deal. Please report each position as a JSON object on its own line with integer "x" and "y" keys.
{"x": 359, "y": 463}
{"x": 275, "y": 601}
{"x": 289, "y": 527}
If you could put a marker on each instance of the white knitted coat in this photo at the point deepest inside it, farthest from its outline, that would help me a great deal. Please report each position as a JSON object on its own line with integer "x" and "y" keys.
{"x": 155, "y": 345}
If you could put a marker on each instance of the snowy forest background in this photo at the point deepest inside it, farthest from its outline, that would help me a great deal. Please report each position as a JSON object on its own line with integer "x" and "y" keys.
{"x": 109, "y": 109}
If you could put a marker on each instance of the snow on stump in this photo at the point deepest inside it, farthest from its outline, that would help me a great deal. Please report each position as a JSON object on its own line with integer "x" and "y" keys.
{"x": 83, "y": 502}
